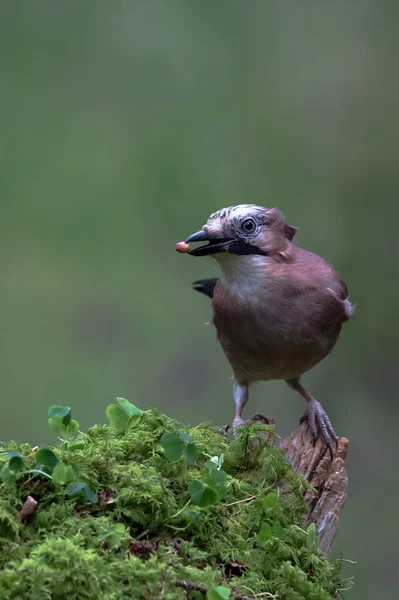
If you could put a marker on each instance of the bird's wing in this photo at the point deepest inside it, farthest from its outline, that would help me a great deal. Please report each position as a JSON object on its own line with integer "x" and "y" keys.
{"x": 205, "y": 286}
{"x": 343, "y": 295}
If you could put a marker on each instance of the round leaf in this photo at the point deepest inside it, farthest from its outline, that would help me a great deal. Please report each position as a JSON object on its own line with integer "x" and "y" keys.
{"x": 218, "y": 592}
{"x": 185, "y": 436}
{"x": 192, "y": 516}
{"x": 11, "y": 454}
{"x": 46, "y": 457}
{"x": 119, "y": 528}
{"x": 76, "y": 445}
{"x": 54, "y": 425}
{"x": 58, "y": 412}
{"x": 191, "y": 453}
{"x": 172, "y": 445}
{"x": 113, "y": 534}
{"x": 62, "y": 474}
{"x": 271, "y": 500}
{"x": 128, "y": 407}
{"x": 16, "y": 463}
{"x": 209, "y": 496}
{"x": 215, "y": 478}
{"x": 278, "y": 530}
{"x": 70, "y": 429}
{"x": 8, "y": 477}
{"x": 265, "y": 534}
{"x": 67, "y": 419}
{"x": 133, "y": 421}
{"x": 195, "y": 489}
{"x": 75, "y": 488}
{"x": 90, "y": 495}
{"x": 210, "y": 465}
{"x": 202, "y": 495}
{"x": 117, "y": 418}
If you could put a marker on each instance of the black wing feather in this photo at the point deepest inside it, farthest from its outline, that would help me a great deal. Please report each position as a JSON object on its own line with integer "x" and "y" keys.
{"x": 205, "y": 286}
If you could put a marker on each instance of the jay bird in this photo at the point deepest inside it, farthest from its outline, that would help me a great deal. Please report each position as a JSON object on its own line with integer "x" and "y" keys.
{"x": 278, "y": 309}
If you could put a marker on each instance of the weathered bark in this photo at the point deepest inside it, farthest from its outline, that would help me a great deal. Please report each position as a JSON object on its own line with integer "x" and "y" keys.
{"x": 325, "y": 473}
{"x": 327, "y": 476}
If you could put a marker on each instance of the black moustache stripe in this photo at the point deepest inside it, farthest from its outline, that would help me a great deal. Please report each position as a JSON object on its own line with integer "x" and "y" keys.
{"x": 243, "y": 248}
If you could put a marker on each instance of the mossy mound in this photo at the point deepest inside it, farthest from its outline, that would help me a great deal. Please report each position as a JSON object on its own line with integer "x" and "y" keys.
{"x": 162, "y": 540}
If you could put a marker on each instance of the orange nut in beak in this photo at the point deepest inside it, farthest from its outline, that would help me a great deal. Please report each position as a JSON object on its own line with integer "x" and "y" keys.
{"x": 182, "y": 247}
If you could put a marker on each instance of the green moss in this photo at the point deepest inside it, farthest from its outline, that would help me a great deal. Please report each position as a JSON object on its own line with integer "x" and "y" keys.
{"x": 58, "y": 554}
{"x": 9, "y": 521}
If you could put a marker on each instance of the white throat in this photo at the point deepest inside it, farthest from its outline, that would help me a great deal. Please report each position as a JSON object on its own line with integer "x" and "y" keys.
{"x": 241, "y": 274}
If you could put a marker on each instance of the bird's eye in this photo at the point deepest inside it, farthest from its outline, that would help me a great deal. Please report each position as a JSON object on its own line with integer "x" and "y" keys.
{"x": 248, "y": 225}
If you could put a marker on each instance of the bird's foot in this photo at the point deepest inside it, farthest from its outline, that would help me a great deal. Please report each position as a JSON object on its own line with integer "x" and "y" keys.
{"x": 238, "y": 421}
{"x": 257, "y": 417}
{"x": 319, "y": 423}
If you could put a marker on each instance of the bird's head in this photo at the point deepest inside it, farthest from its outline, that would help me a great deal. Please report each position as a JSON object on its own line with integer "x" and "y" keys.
{"x": 244, "y": 229}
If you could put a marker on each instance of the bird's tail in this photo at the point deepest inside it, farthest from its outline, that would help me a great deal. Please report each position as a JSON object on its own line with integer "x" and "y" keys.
{"x": 205, "y": 286}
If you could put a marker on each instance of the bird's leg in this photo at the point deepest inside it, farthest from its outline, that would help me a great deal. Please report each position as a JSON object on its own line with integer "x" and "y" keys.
{"x": 319, "y": 423}
{"x": 240, "y": 395}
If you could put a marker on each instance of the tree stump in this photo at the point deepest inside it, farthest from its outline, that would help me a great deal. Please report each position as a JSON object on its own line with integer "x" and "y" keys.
{"x": 326, "y": 474}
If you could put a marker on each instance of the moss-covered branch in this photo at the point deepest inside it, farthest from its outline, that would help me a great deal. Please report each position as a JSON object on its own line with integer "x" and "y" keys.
{"x": 154, "y": 527}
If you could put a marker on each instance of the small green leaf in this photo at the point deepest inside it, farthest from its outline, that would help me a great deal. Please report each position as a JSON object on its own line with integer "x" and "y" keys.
{"x": 271, "y": 500}
{"x": 209, "y": 496}
{"x": 192, "y": 516}
{"x": 16, "y": 463}
{"x": 133, "y": 421}
{"x": 76, "y": 445}
{"x": 11, "y": 454}
{"x": 58, "y": 412}
{"x": 113, "y": 534}
{"x": 54, "y": 425}
{"x": 70, "y": 429}
{"x": 129, "y": 408}
{"x": 185, "y": 436}
{"x": 210, "y": 465}
{"x": 214, "y": 478}
{"x": 118, "y": 418}
{"x": 196, "y": 489}
{"x": 311, "y": 539}
{"x": 46, "y": 457}
{"x": 191, "y": 453}
{"x": 265, "y": 534}
{"x": 119, "y": 528}
{"x": 90, "y": 495}
{"x": 278, "y": 530}
{"x": 173, "y": 446}
{"x": 202, "y": 495}
{"x": 75, "y": 488}
{"x": 8, "y": 477}
{"x": 62, "y": 474}
{"x": 217, "y": 460}
{"x": 82, "y": 489}
{"x": 218, "y": 592}
{"x": 67, "y": 419}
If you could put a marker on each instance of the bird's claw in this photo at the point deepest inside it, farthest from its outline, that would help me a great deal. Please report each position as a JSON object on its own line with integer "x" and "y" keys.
{"x": 257, "y": 417}
{"x": 320, "y": 424}
{"x": 238, "y": 421}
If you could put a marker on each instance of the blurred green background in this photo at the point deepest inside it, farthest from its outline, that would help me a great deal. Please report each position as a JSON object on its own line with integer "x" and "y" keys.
{"x": 123, "y": 125}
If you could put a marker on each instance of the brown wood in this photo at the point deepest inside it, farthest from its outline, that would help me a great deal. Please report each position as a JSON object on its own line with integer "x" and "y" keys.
{"x": 28, "y": 509}
{"x": 326, "y": 474}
